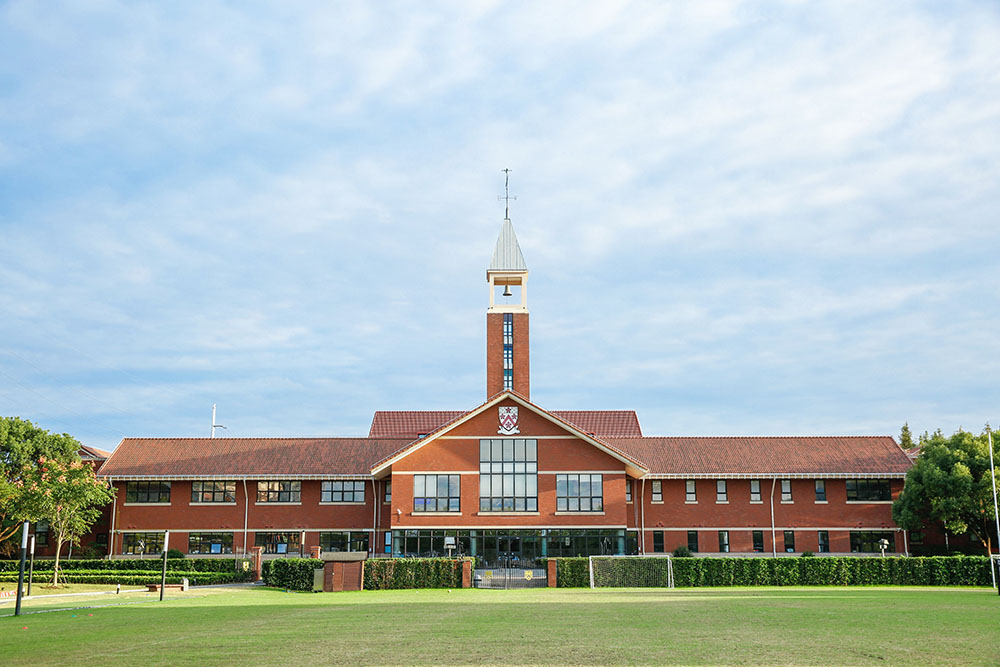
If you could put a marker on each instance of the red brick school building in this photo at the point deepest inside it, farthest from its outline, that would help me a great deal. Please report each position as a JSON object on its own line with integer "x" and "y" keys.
{"x": 507, "y": 478}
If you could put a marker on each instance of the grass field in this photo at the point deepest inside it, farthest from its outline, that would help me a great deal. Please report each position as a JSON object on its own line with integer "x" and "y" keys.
{"x": 843, "y": 626}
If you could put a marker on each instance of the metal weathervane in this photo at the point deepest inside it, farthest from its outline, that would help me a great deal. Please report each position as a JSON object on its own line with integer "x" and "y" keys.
{"x": 506, "y": 197}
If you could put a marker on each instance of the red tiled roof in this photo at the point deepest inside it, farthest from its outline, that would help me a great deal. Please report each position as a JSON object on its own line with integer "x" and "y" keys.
{"x": 413, "y": 423}
{"x": 181, "y": 457}
{"x": 767, "y": 455}
{"x": 88, "y": 452}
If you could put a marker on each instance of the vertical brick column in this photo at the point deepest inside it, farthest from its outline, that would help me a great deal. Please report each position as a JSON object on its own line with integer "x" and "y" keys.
{"x": 328, "y": 577}
{"x": 258, "y": 562}
{"x": 551, "y": 565}
{"x": 314, "y": 552}
{"x": 466, "y": 574}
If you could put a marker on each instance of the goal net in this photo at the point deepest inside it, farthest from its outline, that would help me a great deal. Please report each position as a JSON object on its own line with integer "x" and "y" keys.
{"x": 648, "y": 571}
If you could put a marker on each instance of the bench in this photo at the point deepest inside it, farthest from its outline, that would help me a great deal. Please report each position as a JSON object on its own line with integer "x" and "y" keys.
{"x": 153, "y": 588}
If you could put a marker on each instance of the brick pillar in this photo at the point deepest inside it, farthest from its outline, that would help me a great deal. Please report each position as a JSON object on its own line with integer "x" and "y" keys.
{"x": 328, "y": 577}
{"x": 314, "y": 552}
{"x": 551, "y": 565}
{"x": 258, "y": 562}
{"x": 466, "y": 574}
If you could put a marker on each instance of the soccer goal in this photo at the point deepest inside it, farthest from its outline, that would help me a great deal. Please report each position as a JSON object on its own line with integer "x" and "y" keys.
{"x": 647, "y": 571}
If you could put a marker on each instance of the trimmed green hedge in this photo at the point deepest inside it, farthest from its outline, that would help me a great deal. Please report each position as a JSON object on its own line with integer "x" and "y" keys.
{"x": 398, "y": 573}
{"x": 151, "y": 562}
{"x": 820, "y": 571}
{"x": 295, "y": 574}
{"x": 127, "y": 577}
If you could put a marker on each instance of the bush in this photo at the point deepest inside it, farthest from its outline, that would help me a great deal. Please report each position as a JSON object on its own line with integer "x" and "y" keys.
{"x": 807, "y": 554}
{"x": 130, "y": 577}
{"x": 174, "y": 553}
{"x": 682, "y": 552}
{"x": 295, "y": 574}
{"x": 231, "y": 564}
{"x": 398, "y": 573}
{"x": 825, "y": 571}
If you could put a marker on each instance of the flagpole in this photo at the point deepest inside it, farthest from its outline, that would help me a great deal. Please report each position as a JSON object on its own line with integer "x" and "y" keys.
{"x": 996, "y": 514}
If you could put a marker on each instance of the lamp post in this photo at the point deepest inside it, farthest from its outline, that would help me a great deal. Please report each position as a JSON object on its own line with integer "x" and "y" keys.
{"x": 20, "y": 572}
{"x": 31, "y": 564}
{"x": 163, "y": 578}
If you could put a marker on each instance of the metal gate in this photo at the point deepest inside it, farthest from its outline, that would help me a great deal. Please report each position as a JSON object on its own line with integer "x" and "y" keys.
{"x": 510, "y": 573}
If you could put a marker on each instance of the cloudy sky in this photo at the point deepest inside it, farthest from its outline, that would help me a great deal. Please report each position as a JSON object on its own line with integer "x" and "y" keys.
{"x": 739, "y": 218}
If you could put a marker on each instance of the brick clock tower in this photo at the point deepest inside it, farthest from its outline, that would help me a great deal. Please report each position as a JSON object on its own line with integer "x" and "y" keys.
{"x": 507, "y": 317}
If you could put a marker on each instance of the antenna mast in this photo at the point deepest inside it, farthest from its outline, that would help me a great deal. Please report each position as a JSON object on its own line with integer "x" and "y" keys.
{"x": 506, "y": 196}
{"x": 214, "y": 425}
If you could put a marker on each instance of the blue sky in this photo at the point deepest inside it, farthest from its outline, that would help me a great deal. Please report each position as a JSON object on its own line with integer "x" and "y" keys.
{"x": 757, "y": 219}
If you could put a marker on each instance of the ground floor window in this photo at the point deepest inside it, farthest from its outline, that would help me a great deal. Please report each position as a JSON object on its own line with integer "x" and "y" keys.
{"x": 41, "y": 534}
{"x": 789, "y": 541}
{"x": 658, "y": 541}
{"x": 824, "y": 541}
{"x": 388, "y": 542}
{"x": 693, "y": 541}
{"x": 512, "y": 545}
{"x": 344, "y": 541}
{"x": 142, "y": 543}
{"x": 758, "y": 541}
{"x": 278, "y": 543}
{"x": 866, "y": 541}
{"x": 724, "y": 541}
{"x": 210, "y": 543}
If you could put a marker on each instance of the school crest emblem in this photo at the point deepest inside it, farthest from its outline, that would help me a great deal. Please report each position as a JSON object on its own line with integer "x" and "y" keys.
{"x": 508, "y": 421}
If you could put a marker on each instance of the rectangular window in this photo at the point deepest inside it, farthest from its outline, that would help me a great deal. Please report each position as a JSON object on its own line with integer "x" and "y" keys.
{"x": 689, "y": 492}
{"x": 279, "y": 492}
{"x": 355, "y": 540}
{"x": 824, "y": 542}
{"x": 658, "y": 541}
{"x": 278, "y": 543}
{"x": 789, "y": 541}
{"x": 388, "y": 542}
{"x": 916, "y": 537}
{"x": 865, "y": 541}
{"x": 147, "y": 492}
{"x": 693, "y": 540}
{"x": 758, "y": 541}
{"x": 210, "y": 543}
{"x": 388, "y": 492}
{"x": 42, "y": 534}
{"x": 724, "y": 541}
{"x": 786, "y": 490}
{"x": 862, "y": 490}
{"x": 213, "y": 492}
{"x": 579, "y": 493}
{"x": 721, "y": 491}
{"x": 820, "y": 491}
{"x": 508, "y": 351}
{"x": 436, "y": 493}
{"x": 657, "y": 491}
{"x": 508, "y": 475}
{"x": 352, "y": 491}
{"x": 628, "y": 490}
{"x": 142, "y": 543}
{"x": 755, "y": 490}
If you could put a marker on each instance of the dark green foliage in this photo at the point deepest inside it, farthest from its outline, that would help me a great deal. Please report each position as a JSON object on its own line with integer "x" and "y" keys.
{"x": 295, "y": 574}
{"x": 825, "y": 571}
{"x": 133, "y": 577}
{"x": 682, "y": 552}
{"x": 175, "y": 553}
{"x": 807, "y": 554}
{"x": 222, "y": 565}
{"x": 397, "y": 573}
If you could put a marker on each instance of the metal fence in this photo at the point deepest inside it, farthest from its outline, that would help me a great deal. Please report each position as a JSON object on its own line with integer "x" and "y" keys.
{"x": 508, "y": 573}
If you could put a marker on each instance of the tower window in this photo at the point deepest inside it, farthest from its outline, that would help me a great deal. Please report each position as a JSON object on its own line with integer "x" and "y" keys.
{"x": 508, "y": 351}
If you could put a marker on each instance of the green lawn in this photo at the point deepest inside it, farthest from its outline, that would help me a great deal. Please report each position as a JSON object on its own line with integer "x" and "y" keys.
{"x": 541, "y": 626}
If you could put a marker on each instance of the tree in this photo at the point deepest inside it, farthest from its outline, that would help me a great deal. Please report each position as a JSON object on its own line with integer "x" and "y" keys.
{"x": 21, "y": 445}
{"x": 950, "y": 484}
{"x": 905, "y": 437}
{"x": 67, "y": 495}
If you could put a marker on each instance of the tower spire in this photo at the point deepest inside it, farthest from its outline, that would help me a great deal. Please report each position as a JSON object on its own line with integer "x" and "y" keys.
{"x": 506, "y": 194}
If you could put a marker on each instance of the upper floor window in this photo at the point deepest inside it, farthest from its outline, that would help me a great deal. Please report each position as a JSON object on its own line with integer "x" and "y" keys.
{"x": 508, "y": 475}
{"x": 786, "y": 490}
{"x": 279, "y": 492}
{"x": 388, "y": 492}
{"x": 628, "y": 490}
{"x": 755, "y": 491}
{"x": 868, "y": 489}
{"x": 690, "y": 496}
{"x": 42, "y": 534}
{"x": 579, "y": 493}
{"x": 351, "y": 491}
{"x": 436, "y": 493}
{"x": 820, "y": 491}
{"x": 657, "y": 491}
{"x": 213, "y": 492}
{"x": 147, "y": 492}
{"x": 721, "y": 492}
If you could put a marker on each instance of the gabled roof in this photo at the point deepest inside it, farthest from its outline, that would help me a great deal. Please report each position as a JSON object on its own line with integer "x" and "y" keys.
{"x": 810, "y": 456}
{"x": 415, "y": 423}
{"x": 507, "y": 253}
{"x": 634, "y": 467}
{"x": 180, "y": 458}
{"x": 88, "y": 453}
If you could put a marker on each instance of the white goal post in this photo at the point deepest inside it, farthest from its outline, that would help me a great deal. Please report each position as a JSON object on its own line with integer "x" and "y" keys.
{"x": 645, "y": 571}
